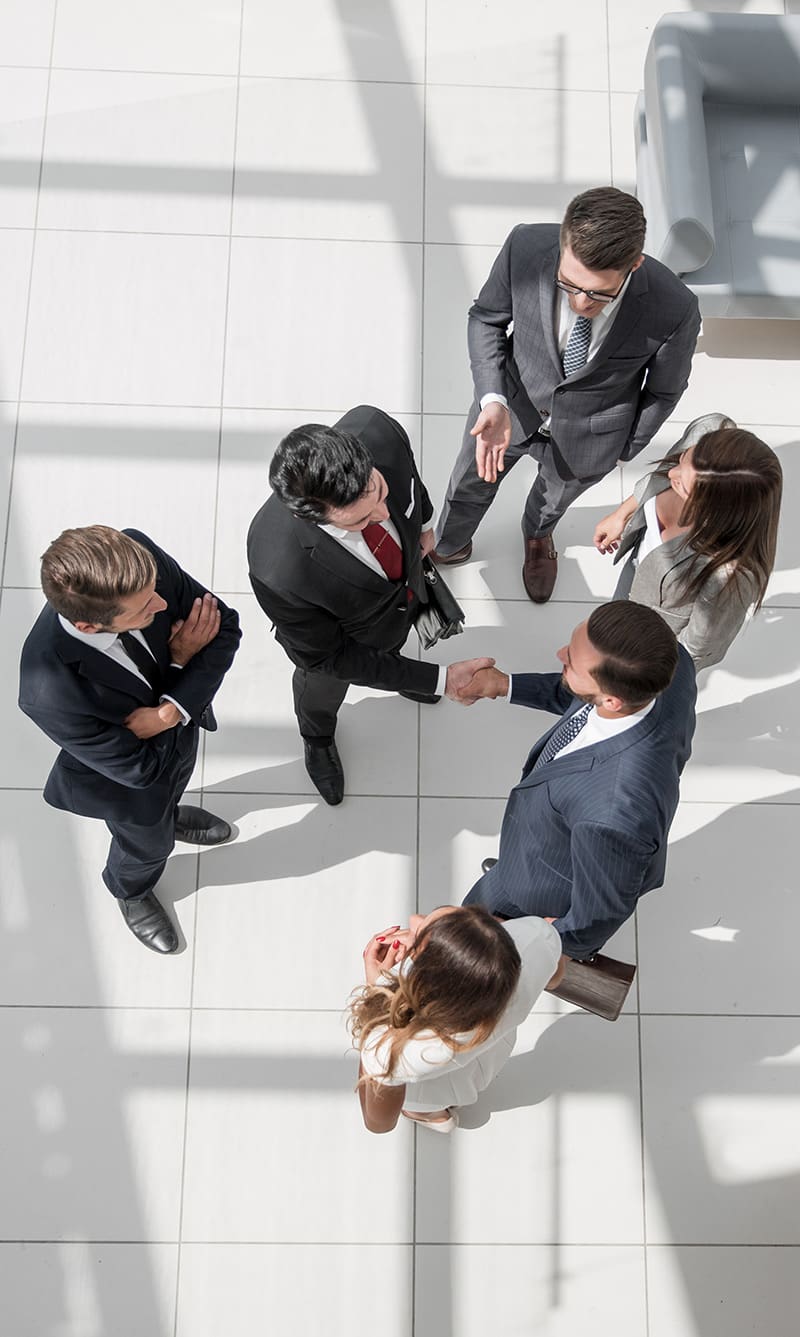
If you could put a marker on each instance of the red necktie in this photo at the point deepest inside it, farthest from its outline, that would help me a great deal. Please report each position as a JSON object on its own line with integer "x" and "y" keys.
{"x": 383, "y": 547}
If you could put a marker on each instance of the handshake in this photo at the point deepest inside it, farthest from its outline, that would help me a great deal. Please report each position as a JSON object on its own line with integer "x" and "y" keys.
{"x": 472, "y": 679}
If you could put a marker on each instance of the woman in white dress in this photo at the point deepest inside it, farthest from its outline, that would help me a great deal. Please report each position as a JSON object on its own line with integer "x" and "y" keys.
{"x": 700, "y": 534}
{"x": 438, "y": 1015}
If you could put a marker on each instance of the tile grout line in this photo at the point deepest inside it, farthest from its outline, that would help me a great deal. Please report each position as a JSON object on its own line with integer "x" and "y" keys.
{"x": 642, "y": 1154}
{"x": 19, "y": 400}
{"x": 221, "y": 414}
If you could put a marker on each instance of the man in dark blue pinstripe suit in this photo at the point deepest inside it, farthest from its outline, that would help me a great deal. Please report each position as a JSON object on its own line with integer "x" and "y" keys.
{"x": 585, "y": 831}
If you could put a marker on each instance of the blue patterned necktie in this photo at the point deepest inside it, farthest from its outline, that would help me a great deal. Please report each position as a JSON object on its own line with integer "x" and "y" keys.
{"x": 564, "y": 734}
{"x": 577, "y": 349}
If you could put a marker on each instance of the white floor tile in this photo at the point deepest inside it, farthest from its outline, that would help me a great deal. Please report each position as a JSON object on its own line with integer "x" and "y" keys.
{"x": 72, "y": 1289}
{"x": 26, "y": 30}
{"x": 329, "y": 159}
{"x": 495, "y": 571}
{"x": 259, "y": 750}
{"x": 302, "y": 1288}
{"x": 138, "y": 152}
{"x": 480, "y": 750}
{"x": 52, "y": 894}
{"x": 22, "y": 100}
{"x": 453, "y": 278}
{"x": 94, "y": 1134}
{"x": 124, "y": 467}
{"x": 745, "y": 368}
{"x": 343, "y": 351}
{"x": 470, "y": 42}
{"x": 350, "y": 871}
{"x": 623, "y": 145}
{"x": 731, "y": 879}
{"x": 719, "y": 1292}
{"x": 324, "y": 40}
{"x": 721, "y": 1106}
{"x": 155, "y": 35}
{"x": 472, "y": 1289}
{"x": 276, "y": 1151}
{"x": 126, "y": 319}
{"x": 7, "y": 413}
{"x": 479, "y": 184}
{"x": 518, "y": 1171}
{"x": 747, "y": 744}
{"x": 631, "y": 23}
{"x": 16, "y": 249}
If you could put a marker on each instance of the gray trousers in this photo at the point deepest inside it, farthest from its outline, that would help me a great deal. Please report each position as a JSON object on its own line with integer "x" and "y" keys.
{"x": 468, "y": 497}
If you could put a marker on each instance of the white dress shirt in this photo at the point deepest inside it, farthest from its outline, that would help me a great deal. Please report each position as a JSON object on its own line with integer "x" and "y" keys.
{"x": 354, "y": 542}
{"x": 109, "y": 644}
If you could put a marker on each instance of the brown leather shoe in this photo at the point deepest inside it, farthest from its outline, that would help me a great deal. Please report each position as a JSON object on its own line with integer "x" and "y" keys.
{"x": 540, "y": 568}
{"x": 453, "y": 558}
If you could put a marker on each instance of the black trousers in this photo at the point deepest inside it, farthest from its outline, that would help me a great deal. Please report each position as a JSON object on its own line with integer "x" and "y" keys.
{"x": 138, "y": 854}
{"x": 318, "y": 696}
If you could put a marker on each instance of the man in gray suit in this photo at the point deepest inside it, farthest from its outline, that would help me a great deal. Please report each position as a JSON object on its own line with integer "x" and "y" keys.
{"x": 599, "y": 356}
{"x": 585, "y": 831}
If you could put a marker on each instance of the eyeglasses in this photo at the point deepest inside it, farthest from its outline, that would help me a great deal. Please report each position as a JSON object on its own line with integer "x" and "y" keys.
{"x": 573, "y": 290}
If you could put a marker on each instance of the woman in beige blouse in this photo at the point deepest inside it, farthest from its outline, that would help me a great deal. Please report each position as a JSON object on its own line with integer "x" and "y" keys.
{"x": 700, "y": 534}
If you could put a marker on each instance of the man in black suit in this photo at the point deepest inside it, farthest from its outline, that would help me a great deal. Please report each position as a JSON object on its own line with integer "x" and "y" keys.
{"x": 120, "y": 670}
{"x": 600, "y": 354}
{"x": 585, "y": 831}
{"x": 335, "y": 558}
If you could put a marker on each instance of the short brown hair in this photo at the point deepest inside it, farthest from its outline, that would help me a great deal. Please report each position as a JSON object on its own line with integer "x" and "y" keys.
{"x": 86, "y": 572}
{"x": 639, "y": 652}
{"x": 604, "y": 228}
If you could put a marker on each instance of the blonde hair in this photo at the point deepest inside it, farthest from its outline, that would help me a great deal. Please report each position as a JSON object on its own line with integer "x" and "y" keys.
{"x": 86, "y": 572}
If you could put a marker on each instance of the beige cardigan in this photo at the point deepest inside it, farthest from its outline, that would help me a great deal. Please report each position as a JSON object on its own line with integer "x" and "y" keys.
{"x": 706, "y": 625}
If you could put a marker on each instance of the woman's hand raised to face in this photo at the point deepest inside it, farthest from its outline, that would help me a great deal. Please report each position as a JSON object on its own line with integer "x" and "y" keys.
{"x": 383, "y": 951}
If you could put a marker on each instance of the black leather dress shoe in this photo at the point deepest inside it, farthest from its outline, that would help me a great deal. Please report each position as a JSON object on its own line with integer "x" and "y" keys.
{"x": 324, "y": 766}
{"x": 198, "y": 827}
{"x": 487, "y": 864}
{"x": 149, "y": 922}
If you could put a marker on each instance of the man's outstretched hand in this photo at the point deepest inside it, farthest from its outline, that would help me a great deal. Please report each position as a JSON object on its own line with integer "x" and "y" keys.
{"x": 461, "y": 675}
{"x": 492, "y": 433}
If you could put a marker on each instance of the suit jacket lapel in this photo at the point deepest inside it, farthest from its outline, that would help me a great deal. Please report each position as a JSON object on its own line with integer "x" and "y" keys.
{"x": 548, "y": 297}
{"x": 625, "y": 322}
{"x": 324, "y": 549}
{"x": 587, "y": 757}
{"x": 96, "y": 666}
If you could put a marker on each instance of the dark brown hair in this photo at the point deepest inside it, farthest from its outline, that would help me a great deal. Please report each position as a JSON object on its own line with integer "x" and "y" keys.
{"x": 86, "y": 572}
{"x": 464, "y": 972}
{"x": 732, "y": 510}
{"x": 638, "y": 651}
{"x": 604, "y": 228}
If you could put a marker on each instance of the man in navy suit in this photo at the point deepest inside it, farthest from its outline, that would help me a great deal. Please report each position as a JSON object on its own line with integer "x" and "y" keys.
{"x": 120, "y": 670}
{"x": 335, "y": 559}
{"x": 585, "y": 831}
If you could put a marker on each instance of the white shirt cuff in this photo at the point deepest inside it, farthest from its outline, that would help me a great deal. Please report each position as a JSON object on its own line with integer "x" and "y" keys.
{"x": 492, "y": 398}
{"x": 442, "y": 680}
{"x": 184, "y": 717}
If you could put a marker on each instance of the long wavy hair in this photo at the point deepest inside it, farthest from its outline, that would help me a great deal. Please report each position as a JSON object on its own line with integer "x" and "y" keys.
{"x": 465, "y": 969}
{"x": 732, "y": 510}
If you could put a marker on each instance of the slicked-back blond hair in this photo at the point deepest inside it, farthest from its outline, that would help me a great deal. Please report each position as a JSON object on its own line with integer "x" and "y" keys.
{"x": 87, "y": 572}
